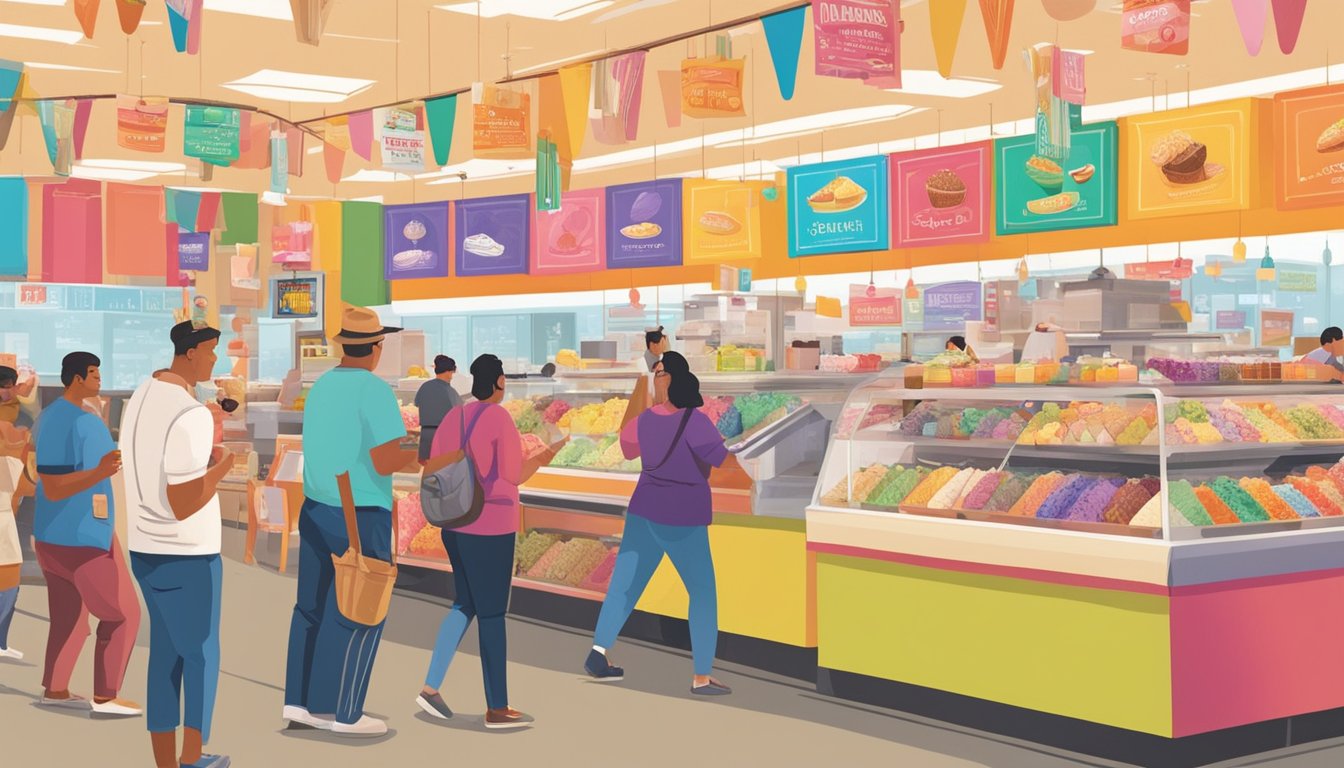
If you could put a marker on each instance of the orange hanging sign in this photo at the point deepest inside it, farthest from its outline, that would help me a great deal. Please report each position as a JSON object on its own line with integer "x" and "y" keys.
{"x": 501, "y": 123}
{"x": 712, "y": 87}
{"x": 1309, "y": 147}
{"x": 721, "y": 221}
{"x": 142, "y": 123}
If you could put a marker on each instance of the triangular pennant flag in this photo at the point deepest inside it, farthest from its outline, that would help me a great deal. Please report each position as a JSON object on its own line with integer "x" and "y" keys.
{"x": 11, "y": 72}
{"x": 310, "y": 18}
{"x": 998, "y": 18}
{"x": 86, "y": 11}
{"x": 1251, "y": 19}
{"x": 194, "y": 27}
{"x": 184, "y": 21}
{"x": 336, "y": 132}
{"x": 669, "y": 85}
{"x": 945, "y": 17}
{"x": 294, "y": 141}
{"x": 784, "y": 37}
{"x": 279, "y": 162}
{"x": 207, "y": 215}
{"x": 361, "y": 134}
{"x": 334, "y": 159}
{"x": 1288, "y": 22}
{"x": 441, "y": 115}
{"x": 575, "y": 84}
{"x": 82, "y": 109}
{"x": 129, "y": 13}
{"x": 7, "y": 121}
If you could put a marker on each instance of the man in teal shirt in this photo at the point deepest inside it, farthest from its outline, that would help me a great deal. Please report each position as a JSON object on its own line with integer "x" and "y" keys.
{"x": 351, "y": 424}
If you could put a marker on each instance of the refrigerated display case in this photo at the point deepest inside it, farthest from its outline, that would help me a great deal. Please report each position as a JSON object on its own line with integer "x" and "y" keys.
{"x": 1141, "y": 557}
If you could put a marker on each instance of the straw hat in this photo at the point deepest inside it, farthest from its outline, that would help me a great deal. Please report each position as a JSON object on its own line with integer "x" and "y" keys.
{"x": 360, "y": 325}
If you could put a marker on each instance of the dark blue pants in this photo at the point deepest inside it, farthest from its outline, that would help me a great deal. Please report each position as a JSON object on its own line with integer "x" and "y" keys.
{"x": 331, "y": 657}
{"x": 482, "y": 577}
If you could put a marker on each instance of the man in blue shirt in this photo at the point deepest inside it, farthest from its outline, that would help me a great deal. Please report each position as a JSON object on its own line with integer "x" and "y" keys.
{"x": 76, "y": 547}
{"x": 351, "y": 424}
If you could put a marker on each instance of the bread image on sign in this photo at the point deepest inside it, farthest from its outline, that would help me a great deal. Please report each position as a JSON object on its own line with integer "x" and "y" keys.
{"x": 1332, "y": 138}
{"x": 1182, "y": 160}
{"x": 719, "y": 223}
{"x": 413, "y": 258}
{"x": 645, "y": 207}
{"x": 841, "y": 194}
{"x": 482, "y": 245}
{"x": 945, "y": 189}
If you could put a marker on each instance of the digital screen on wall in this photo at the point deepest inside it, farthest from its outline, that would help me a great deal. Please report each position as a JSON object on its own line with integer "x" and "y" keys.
{"x": 296, "y": 298}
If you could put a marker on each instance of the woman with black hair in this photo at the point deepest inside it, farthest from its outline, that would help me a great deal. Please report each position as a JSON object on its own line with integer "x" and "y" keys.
{"x": 669, "y": 514}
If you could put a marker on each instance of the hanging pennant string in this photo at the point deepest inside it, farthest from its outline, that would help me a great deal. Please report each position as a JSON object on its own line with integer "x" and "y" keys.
{"x": 142, "y": 69}
{"x": 429, "y": 48}
{"x": 396, "y": 71}
{"x": 478, "y": 41}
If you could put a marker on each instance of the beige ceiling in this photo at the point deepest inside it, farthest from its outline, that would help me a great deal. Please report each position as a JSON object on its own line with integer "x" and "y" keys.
{"x": 410, "y": 48}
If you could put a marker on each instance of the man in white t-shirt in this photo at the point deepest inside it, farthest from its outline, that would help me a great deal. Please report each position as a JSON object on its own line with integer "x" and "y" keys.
{"x": 167, "y": 443}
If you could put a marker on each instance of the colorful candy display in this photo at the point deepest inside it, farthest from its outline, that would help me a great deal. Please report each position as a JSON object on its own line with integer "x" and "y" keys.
{"x": 1264, "y": 495}
{"x": 1127, "y": 502}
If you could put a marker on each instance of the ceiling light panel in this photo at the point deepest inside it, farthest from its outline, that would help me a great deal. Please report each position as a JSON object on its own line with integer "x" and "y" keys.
{"x": 44, "y": 34}
{"x": 926, "y": 82}
{"x": 53, "y": 3}
{"x": 261, "y": 9}
{"x": 297, "y": 86}
{"x": 544, "y": 10}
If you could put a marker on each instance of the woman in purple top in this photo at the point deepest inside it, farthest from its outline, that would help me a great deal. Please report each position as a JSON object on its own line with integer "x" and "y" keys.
{"x": 669, "y": 514}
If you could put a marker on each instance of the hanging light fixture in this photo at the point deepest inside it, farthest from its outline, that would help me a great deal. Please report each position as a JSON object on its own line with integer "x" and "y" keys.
{"x": 1238, "y": 248}
{"x": 1022, "y": 273}
{"x": 800, "y": 284}
{"x": 1265, "y": 273}
{"x": 1326, "y": 255}
{"x": 911, "y": 290}
{"x": 1213, "y": 268}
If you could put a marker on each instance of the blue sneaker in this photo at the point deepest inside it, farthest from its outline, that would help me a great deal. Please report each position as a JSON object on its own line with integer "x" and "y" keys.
{"x": 600, "y": 670}
{"x": 209, "y": 761}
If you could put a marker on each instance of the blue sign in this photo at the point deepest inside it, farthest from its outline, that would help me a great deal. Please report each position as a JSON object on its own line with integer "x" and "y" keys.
{"x": 193, "y": 251}
{"x": 839, "y": 207}
{"x": 948, "y": 306}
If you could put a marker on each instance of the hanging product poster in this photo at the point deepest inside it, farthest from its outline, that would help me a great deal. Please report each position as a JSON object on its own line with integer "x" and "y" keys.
{"x": 193, "y": 251}
{"x": 721, "y": 221}
{"x": 1276, "y": 327}
{"x": 572, "y": 238}
{"x": 940, "y": 196}
{"x": 838, "y": 207}
{"x": 416, "y": 241}
{"x": 403, "y": 146}
{"x": 1155, "y": 26}
{"x": 501, "y": 125}
{"x": 644, "y": 224}
{"x": 1309, "y": 148}
{"x": 1176, "y": 269}
{"x": 1189, "y": 161}
{"x": 1037, "y": 194}
{"x": 493, "y": 235}
{"x": 72, "y": 226}
{"x": 142, "y": 123}
{"x": 279, "y": 163}
{"x": 296, "y": 297}
{"x": 870, "y": 305}
{"x": 858, "y": 39}
{"x": 1295, "y": 280}
{"x": 712, "y": 87}
{"x": 947, "y": 307}
{"x": 13, "y": 227}
{"x": 211, "y": 134}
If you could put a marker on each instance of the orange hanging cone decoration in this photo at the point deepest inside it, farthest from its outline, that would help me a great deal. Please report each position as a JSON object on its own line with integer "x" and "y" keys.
{"x": 129, "y": 13}
{"x": 998, "y": 17}
{"x": 945, "y": 19}
{"x": 86, "y": 12}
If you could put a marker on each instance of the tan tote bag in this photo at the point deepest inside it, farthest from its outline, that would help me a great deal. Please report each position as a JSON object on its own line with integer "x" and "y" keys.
{"x": 363, "y": 584}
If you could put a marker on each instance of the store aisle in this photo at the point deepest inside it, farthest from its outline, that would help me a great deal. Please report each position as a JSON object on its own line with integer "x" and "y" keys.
{"x": 650, "y": 720}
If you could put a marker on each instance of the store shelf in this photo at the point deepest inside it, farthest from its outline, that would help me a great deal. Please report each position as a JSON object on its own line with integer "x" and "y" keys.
{"x": 575, "y": 502}
{"x": 419, "y": 561}
{"x": 558, "y": 589}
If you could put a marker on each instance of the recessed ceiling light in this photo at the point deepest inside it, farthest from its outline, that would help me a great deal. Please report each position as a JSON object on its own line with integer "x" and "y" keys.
{"x": 261, "y": 9}
{"x": 297, "y": 86}
{"x": 926, "y": 82}
{"x": 148, "y": 166}
{"x": 811, "y": 123}
{"x": 545, "y": 10}
{"x": 371, "y": 176}
{"x": 45, "y": 34}
{"x": 68, "y": 68}
{"x": 37, "y": 2}
{"x": 109, "y": 174}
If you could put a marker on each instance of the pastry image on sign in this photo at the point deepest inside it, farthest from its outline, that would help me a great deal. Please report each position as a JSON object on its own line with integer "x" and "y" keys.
{"x": 1047, "y": 174}
{"x": 1332, "y": 139}
{"x": 1084, "y": 174}
{"x": 946, "y": 189}
{"x": 572, "y": 237}
{"x": 1054, "y": 204}
{"x": 412, "y": 259}
{"x": 642, "y": 231}
{"x": 1183, "y": 160}
{"x": 482, "y": 245}
{"x": 841, "y": 194}
{"x": 719, "y": 223}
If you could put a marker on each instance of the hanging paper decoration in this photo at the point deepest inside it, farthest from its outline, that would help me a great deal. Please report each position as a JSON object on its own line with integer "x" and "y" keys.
{"x": 617, "y": 89}
{"x": 58, "y": 126}
{"x": 86, "y": 12}
{"x": 1156, "y": 26}
{"x": 859, "y": 39}
{"x": 1251, "y": 19}
{"x": 1053, "y": 115}
{"x": 361, "y": 134}
{"x": 552, "y": 119}
{"x": 294, "y": 137}
{"x": 575, "y": 82}
{"x": 11, "y": 75}
{"x": 1068, "y": 10}
{"x": 211, "y": 134}
{"x": 14, "y": 227}
{"x": 279, "y": 162}
{"x": 254, "y": 142}
{"x": 784, "y": 37}
{"x": 998, "y": 18}
{"x": 1288, "y": 22}
{"x": 129, "y": 13}
{"x": 945, "y": 22}
{"x": 414, "y": 241}
{"x": 142, "y": 123}
{"x": 712, "y": 87}
{"x": 310, "y": 18}
{"x": 82, "y": 109}
{"x": 72, "y": 226}
{"x": 501, "y": 125}
{"x": 209, "y": 214}
{"x": 548, "y": 173}
{"x": 403, "y": 146}
{"x": 184, "y": 21}
{"x": 441, "y": 115}
{"x": 669, "y": 85}
{"x": 335, "y": 143}
{"x": 292, "y": 243}
{"x": 1067, "y": 79}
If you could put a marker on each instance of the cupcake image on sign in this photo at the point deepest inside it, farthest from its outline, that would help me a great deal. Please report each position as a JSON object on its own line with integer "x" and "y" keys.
{"x": 839, "y": 195}
{"x": 1184, "y": 163}
{"x": 945, "y": 189}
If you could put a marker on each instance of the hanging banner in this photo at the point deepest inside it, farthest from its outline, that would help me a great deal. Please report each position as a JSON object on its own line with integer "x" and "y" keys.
{"x": 72, "y": 226}
{"x": 945, "y": 23}
{"x": 575, "y": 82}
{"x": 294, "y": 140}
{"x": 573, "y": 238}
{"x": 310, "y": 19}
{"x": 193, "y": 251}
{"x": 129, "y": 13}
{"x": 617, "y": 91}
{"x": 501, "y": 125}
{"x": 870, "y": 306}
{"x": 669, "y": 87}
{"x": 415, "y": 241}
{"x": 403, "y": 146}
{"x": 949, "y": 306}
{"x": 86, "y": 12}
{"x": 11, "y": 80}
{"x": 361, "y": 134}
{"x": 941, "y": 196}
{"x": 1055, "y": 118}
{"x": 1276, "y": 327}
{"x": 1037, "y": 194}
{"x": 858, "y": 39}
{"x": 1190, "y": 161}
{"x": 135, "y": 242}
{"x": 644, "y": 224}
{"x": 1176, "y": 269}
{"x": 211, "y": 134}
{"x": 721, "y": 221}
{"x": 184, "y": 21}
{"x": 254, "y": 142}
{"x": 81, "y": 126}
{"x": 1155, "y": 26}
{"x": 279, "y": 163}
{"x": 142, "y": 123}
{"x": 58, "y": 125}
{"x": 1309, "y": 148}
{"x": 547, "y": 176}
{"x": 839, "y": 207}
{"x": 441, "y": 117}
{"x": 784, "y": 38}
{"x": 712, "y": 87}
{"x": 998, "y": 18}
{"x": 1288, "y": 22}
{"x": 493, "y": 235}
{"x": 13, "y": 227}
{"x": 1251, "y": 16}
{"x": 1067, "y": 76}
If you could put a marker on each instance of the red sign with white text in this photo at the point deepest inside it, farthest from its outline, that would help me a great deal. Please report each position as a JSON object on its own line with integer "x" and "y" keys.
{"x": 869, "y": 305}
{"x": 1177, "y": 269}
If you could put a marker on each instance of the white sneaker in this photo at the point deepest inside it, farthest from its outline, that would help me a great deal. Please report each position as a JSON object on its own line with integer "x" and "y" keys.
{"x": 366, "y": 728}
{"x": 301, "y": 716}
{"x": 117, "y": 707}
{"x": 10, "y": 653}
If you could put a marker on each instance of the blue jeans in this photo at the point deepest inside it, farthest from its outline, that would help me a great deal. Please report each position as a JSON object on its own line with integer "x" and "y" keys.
{"x": 182, "y": 594}
{"x": 8, "y": 599}
{"x": 642, "y": 548}
{"x": 482, "y": 577}
{"x": 331, "y": 657}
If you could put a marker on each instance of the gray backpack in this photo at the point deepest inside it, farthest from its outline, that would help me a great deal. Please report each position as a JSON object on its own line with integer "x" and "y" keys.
{"x": 453, "y": 497}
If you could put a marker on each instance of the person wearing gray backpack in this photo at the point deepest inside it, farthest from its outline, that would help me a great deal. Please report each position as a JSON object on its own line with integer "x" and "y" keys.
{"x": 470, "y": 490}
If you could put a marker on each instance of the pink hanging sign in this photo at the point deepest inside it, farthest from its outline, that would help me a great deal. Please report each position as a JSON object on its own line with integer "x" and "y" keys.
{"x": 858, "y": 39}
{"x": 1067, "y": 78}
{"x": 940, "y": 196}
{"x": 1251, "y": 20}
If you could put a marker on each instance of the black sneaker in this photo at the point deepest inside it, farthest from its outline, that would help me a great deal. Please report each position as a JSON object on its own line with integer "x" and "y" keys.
{"x": 434, "y": 706}
{"x": 600, "y": 670}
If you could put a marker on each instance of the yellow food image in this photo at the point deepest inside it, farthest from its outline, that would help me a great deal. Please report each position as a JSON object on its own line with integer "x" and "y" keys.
{"x": 1053, "y": 204}
{"x": 595, "y": 418}
{"x": 841, "y": 194}
{"x": 642, "y": 231}
{"x": 1044, "y": 164}
{"x": 1169, "y": 147}
{"x": 568, "y": 358}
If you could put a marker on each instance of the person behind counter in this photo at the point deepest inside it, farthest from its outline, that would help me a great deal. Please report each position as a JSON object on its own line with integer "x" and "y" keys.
{"x": 656, "y": 342}
{"x": 1332, "y": 346}
{"x": 959, "y": 343}
{"x": 435, "y": 399}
